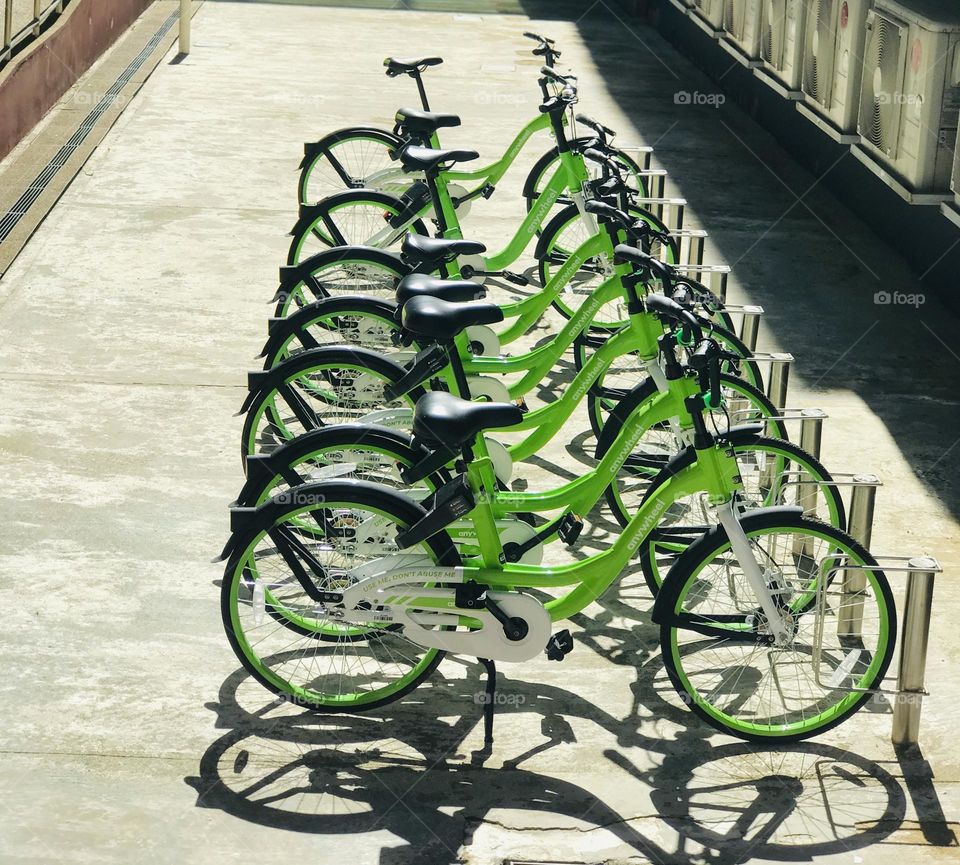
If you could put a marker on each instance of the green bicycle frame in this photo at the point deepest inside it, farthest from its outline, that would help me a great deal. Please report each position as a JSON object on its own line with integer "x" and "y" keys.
{"x": 569, "y": 176}
{"x": 715, "y": 472}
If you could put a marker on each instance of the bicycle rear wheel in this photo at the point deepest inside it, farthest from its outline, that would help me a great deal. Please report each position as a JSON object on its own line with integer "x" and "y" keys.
{"x": 287, "y": 639}
{"x": 348, "y": 159}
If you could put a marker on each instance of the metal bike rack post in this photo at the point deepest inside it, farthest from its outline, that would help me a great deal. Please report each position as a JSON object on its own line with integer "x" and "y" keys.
{"x": 184, "y": 41}
{"x": 811, "y": 437}
{"x": 641, "y": 154}
{"x": 668, "y": 210}
{"x": 691, "y": 247}
{"x": 36, "y": 16}
{"x": 779, "y": 380}
{"x": 713, "y": 276}
{"x": 860, "y": 525}
{"x": 750, "y": 326}
{"x": 7, "y": 23}
{"x": 914, "y": 638}
{"x": 655, "y": 181}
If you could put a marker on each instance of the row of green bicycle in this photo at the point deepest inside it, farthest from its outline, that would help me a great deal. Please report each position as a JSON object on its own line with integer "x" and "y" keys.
{"x": 386, "y": 517}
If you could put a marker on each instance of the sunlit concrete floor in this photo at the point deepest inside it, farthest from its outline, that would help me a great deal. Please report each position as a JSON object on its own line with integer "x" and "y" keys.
{"x": 129, "y": 320}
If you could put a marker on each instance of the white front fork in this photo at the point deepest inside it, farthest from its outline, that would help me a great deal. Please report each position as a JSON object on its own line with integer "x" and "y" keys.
{"x": 743, "y": 552}
{"x": 655, "y": 371}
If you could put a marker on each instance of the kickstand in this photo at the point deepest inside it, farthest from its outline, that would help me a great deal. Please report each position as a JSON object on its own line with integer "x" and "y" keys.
{"x": 491, "y": 701}
{"x": 489, "y": 705}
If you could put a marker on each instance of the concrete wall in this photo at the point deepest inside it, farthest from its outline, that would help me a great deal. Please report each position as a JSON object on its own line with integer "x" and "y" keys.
{"x": 36, "y": 79}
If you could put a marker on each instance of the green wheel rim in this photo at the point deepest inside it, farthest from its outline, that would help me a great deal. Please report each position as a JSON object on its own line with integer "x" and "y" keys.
{"x": 807, "y": 726}
{"x": 302, "y": 694}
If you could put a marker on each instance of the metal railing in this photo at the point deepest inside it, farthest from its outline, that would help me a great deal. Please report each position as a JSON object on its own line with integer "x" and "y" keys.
{"x": 23, "y": 20}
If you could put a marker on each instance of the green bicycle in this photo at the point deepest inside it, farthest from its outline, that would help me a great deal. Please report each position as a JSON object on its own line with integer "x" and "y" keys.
{"x": 339, "y": 383}
{"x": 747, "y": 616}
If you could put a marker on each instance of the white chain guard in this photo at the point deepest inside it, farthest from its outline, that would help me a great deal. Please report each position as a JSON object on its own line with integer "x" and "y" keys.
{"x": 473, "y": 261}
{"x": 489, "y": 641}
{"x": 484, "y": 342}
{"x": 519, "y": 532}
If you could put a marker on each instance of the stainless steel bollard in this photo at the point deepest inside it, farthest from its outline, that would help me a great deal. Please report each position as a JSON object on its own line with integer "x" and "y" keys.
{"x": 914, "y": 638}
{"x": 7, "y": 22}
{"x": 811, "y": 437}
{"x": 750, "y": 327}
{"x": 184, "y": 42}
{"x": 860, "y": 526}
{"x": 779, "y": 381}
{"x": 694, "y": 249}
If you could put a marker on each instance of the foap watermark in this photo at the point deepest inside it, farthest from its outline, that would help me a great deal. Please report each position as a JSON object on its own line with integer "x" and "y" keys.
{"x": 499, "y": 698}
{"x": 885, "y": 98}
{"x": 712, "y": 100}
{"x": 299, "y": 497}
{"x": 500, "y": 99}
{"x": 899, "y": 298}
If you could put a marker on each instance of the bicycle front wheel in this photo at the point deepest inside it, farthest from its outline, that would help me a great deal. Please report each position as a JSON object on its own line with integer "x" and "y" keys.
{"x": 718, "y": 649}
{"x": 564, "y": 234}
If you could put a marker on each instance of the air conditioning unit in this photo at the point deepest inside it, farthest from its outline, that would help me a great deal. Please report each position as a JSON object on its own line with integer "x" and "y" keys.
{"x": 781, "y": 46}
{"x": 741, "y": 26}
{"x": 910, "y": 96}
{"x": 709, "y": 15}
{"x": 835, "y": 35}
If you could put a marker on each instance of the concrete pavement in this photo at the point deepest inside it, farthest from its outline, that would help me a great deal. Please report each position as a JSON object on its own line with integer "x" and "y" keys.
{"x": 129, "y": 321}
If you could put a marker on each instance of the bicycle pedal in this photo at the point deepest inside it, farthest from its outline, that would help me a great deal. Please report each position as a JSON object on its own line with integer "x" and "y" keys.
{"x": 515, "y": 278}
{"x": 521, "y": 404}
{"x": 559, "y": 645}
{"x": 570, "y": 527}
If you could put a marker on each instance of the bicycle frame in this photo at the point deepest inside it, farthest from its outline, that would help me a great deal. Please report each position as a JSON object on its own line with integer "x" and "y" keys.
{"x": 570, "y": 176}
{"x": 715, "y": 471}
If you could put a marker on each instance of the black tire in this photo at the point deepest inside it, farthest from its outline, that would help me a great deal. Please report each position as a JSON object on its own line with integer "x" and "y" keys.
{"x": 399, "y": 509}
{"x": 552, "y": 252}
{"x": 334, "y": 321}
{"x": 363, "y": 270}
{"x": 531, "y": 184}
{"x": 316, "y": 152}
{"x": 267, "y": 386}
{"x": 683, "y": 579}
{"x": 334, "y": 234}
{"x": 628, "y": 403}
{"x": 287, "y": 464}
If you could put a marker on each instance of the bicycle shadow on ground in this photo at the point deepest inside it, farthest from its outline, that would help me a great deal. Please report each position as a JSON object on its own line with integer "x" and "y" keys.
{"x": 406, "y": 772}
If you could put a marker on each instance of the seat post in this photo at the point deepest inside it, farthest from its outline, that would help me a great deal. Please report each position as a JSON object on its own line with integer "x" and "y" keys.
{"x": 459, "y": 375}
{"x": 415, "y": 75}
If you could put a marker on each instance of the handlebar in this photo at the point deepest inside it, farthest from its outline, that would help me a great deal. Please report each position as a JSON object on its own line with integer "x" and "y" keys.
{"x": 553, "y": 75}
{"x": 536, "y": 37}
{"x": 706, "y": 361}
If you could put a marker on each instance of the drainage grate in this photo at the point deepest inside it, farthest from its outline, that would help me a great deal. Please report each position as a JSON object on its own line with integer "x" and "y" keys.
{"x": 9, "y": 221}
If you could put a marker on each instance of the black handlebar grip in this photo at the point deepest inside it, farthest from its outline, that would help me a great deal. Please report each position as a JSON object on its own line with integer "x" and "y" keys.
{"x": 552, "y": 74}
{"x": 706, "y": 360}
